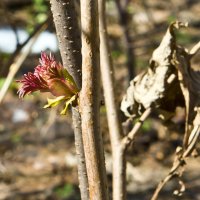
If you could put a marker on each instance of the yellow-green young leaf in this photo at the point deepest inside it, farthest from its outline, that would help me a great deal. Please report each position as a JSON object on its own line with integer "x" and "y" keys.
{"x": 67, "y": 103}
{"x": 68, "y": 77}
{"x": 54, "y": 102}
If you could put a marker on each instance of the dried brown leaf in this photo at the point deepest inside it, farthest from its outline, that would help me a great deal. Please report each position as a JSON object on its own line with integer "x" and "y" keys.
{"x": 159, "y": 86}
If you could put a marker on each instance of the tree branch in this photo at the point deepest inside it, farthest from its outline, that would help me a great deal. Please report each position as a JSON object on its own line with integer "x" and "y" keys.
{"x": 123, "y": 20}
{"x": 4, "y": 70}
{"x": 18, "y": 61}
{"x": 131, "y": 135}
{"x": 118, "y": 145}
{"x": 178, "y": 162}
{"x": 82, "y": 172}
{"x": 90, "y": 101}
{"x": 115, "y": 128}
{"x": 68, "y": 35}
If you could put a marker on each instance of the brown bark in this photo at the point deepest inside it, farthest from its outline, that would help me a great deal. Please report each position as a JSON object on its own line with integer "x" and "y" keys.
{"x": 82, "y": 173}
{"x": 68, "y": 34}
{"x": 90, "y": 102}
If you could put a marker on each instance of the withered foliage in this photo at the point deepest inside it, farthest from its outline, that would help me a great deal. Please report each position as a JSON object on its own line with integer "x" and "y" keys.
{"x": 170, "y": 81}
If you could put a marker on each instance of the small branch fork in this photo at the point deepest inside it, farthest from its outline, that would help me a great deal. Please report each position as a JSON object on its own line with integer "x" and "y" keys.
{"x": 179, "y": 162}
{"x": 192, "y": 105}
{"x": 127, "y": 140}
{"x": 119, "y": 144}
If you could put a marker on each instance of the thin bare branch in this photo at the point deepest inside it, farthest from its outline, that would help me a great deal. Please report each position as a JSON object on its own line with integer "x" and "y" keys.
{"x": 17, "y": 52}
{"x": 127, "y": 40}
{"x": 115, "y": 128}
{"x": 195, "y": 49}
{"x": 18, "y": 62}
{"x": 131, "y": 135}
{"x": 108, "y": 79}
{"x": 119, "y": 146}
{"x": 178, "y": 162}
{"x": 90, "y": 101}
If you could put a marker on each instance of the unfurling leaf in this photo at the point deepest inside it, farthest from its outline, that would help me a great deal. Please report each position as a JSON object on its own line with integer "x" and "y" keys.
{"x": 67, "y": 103}
{"x": 54, "y": 102}
{"x": 50, "y": 76}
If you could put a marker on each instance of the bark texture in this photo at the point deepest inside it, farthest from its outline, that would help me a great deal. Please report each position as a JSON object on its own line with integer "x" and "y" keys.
{"x": 82, "y": 173}
{"x": 90, "y": 101}
{"x": 68, "y": 34}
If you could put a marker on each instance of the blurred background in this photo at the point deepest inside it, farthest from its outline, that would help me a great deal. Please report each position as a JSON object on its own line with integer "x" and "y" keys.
{"x": 37, "y": 154}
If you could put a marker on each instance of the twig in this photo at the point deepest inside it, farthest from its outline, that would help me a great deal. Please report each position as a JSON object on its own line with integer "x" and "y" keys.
{"x": 195, "y": 49}
{"x": 131, "y": 135}
{"x": 129, "y": 48}
{"x": 115, "y": 128}
{"x": 178, "y": 162}
{"x": 17, "y": 52}
{"x": 18, "y": 62}
{"x": 9, "y": 18}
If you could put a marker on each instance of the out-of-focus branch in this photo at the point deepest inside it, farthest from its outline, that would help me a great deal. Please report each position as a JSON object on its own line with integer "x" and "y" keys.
{"x": 115, "y": 128}
{"x": 90, "y": 101}
{"x": 131, "y": 135}
{"x": 4, "y": 70}
{"x": 189, "y": 83}
{"x": 119, "y": 145}
{"x": 129, "y": 48}
{"x": 178, "y": 162}
{"x": 8, "y": 17}
{"x": 19, "y": 61}
{"x": 68, "y": 34}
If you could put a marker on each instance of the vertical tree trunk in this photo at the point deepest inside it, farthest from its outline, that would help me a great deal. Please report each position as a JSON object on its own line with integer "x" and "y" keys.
{"x": 90, "y": 101}
{"x": 68, "y": 35}
{"x": 115, "y": 128}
